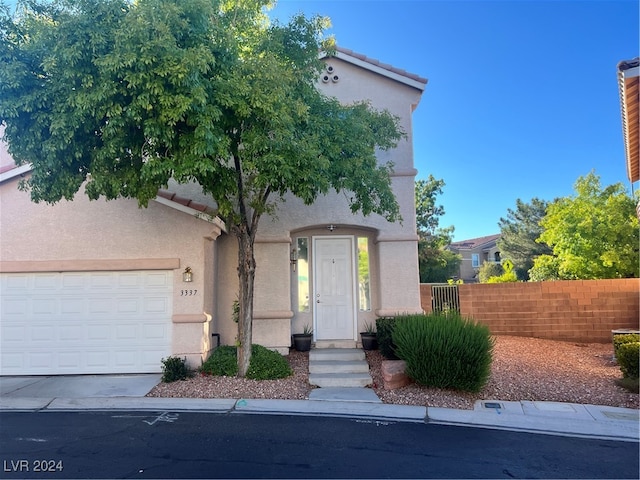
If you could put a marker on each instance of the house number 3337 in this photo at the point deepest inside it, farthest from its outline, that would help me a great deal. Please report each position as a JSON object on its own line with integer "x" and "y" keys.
{"x": 188, "y": 293}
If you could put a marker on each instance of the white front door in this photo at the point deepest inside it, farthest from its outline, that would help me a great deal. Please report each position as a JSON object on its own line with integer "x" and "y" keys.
{"x": 333, "y": 295}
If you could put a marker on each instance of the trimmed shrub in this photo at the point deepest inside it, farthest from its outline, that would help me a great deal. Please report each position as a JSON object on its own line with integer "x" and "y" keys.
{"x": 384, "y": 327}
{"x": 174, "y": 368}
{"x": 628, "y": 357}
{"x": 265, "y": 364}
{"x": 622, "y": 339}
{"x": 444, "y": 351}
{"x": 222, "y": 362}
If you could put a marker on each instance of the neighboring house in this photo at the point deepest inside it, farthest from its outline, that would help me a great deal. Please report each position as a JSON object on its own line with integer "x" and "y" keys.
{"x": 474, "y": 253}
{"x": 101, "y": 287}
{"x": 629, "y": 86}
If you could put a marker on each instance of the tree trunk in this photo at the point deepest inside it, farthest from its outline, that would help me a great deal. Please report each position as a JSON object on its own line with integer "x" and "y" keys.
{"x": 246, "y": 276}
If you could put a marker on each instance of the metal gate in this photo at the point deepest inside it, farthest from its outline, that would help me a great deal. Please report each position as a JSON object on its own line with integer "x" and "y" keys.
{"x": 445, "y": 298}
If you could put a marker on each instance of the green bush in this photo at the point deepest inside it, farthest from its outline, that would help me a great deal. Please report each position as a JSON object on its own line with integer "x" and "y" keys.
{"x": 628, "y": 357}
{"x": 384, "y": 327}
{"x": 444, "y": 351}
{"x": 488, "y": 270}
{"x": 622, "y": 339}
{"x": 174, "y": 368}
{"x": 222, "y": 362}
{"x": 265, "y": 364}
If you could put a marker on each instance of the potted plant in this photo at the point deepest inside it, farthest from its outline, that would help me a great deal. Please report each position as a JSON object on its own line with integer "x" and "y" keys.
{"x": 369, "y": 337}
{"x": 302, "y": 341}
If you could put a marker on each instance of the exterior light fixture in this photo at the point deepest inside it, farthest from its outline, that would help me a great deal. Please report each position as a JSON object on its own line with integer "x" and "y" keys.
{"x": 293, "y": 258}
{"x": 331, "y": 227}
{"x": 187, "y": 275}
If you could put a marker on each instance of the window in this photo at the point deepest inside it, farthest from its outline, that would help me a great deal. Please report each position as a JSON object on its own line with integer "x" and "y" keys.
{"x": 364, "y": 300}
{"x": 302, "y": 246}
{"x": 475, "y": 260}
{"x": 496, "y": 257}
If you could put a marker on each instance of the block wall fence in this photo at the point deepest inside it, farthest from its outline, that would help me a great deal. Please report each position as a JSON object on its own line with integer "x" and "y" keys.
{"x": 568, "y": 310}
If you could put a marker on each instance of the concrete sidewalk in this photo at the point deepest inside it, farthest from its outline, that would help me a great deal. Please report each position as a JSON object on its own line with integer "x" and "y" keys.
{"x": 126, "y": 392}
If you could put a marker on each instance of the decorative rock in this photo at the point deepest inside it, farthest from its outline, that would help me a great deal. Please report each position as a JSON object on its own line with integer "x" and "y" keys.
{"x": 393, "y": 374}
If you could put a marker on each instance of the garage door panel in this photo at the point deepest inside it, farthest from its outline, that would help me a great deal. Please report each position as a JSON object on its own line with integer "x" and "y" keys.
{"x": 156, "y": 305}
{"x": 46, "y": 282}
{"x": 72, "y": 306}
{"x": 95, "y": 322}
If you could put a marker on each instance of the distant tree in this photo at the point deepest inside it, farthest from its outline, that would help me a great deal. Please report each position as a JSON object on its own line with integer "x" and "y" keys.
{"x": 518, "y": 234}
{"x": 488, "y": 270}
{"x": 436, "y": 263}
{"x": 122, "y": 96}
{"x": 594, "y": 234}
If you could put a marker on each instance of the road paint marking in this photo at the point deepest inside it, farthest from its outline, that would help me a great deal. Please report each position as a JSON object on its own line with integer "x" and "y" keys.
{"x": 163, "y": 417}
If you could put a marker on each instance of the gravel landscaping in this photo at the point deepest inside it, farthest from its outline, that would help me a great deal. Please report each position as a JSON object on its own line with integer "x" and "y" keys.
{"x": 523, "y": 369}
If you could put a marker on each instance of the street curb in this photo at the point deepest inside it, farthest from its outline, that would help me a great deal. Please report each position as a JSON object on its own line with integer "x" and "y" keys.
{"x": 400, "y": 413}
{"x": 584, "y": 421}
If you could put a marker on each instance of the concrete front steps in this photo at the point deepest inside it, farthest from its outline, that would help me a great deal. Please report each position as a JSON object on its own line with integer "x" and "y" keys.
{"x": 338, "y": 368}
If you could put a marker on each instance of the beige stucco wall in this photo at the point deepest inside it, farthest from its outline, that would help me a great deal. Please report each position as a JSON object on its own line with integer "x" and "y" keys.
{"x": 393, "y": 256}
{"x": 116, "y": 235}
{"x": 117, "y": 230}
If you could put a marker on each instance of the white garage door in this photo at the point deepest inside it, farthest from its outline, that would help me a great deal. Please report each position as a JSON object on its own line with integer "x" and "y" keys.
{"x": 84, "y": 322}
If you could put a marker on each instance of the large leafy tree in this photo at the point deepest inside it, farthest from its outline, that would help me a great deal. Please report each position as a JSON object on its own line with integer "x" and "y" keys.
{"x": 594, "y": 234}
{"x": 436, "y": 263}
{"x": 518, "y": 234}
{"x": 124, "y": 95}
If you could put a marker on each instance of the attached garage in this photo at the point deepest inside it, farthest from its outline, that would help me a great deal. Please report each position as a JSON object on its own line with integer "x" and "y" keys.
{"x": 85, "y": 322}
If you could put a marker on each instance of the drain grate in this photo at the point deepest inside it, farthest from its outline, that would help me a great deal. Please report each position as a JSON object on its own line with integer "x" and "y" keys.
{"x": 494, "y": 405}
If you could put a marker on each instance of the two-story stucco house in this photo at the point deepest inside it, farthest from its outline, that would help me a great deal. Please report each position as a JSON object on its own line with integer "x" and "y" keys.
{"x": 107, "y": 287}
{"x": 474, "y": 252}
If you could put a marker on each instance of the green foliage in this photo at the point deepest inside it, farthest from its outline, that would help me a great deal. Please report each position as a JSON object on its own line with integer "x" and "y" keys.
{"x": 488, "y": 270}
{"x": 444, "y": 351}
{"x": 369, "y": 327}
{"x": 384, "y": 327}
{"x": 518, "y": 234}
{"x": 594, "y": 234}
{"x": 222, "y": 362}
{"x": 127, "y": 95}
{"x": 624, "y": 338}
{"x": 508, "y": 276}
{"x": 545, "y": 268}
{"x": 628, "y": 357}
{"x": 174, "y": 368}
{"x": 436, "y": 263}
{"x": 265, "y": 364}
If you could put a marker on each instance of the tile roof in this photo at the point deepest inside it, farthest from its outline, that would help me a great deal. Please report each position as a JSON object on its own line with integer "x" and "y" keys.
{"x": 474, "y": 242}
{"x": 382, "y": 65}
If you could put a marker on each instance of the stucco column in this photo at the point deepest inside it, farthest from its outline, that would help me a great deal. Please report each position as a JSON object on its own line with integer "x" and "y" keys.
{"x": 399, "y": 277}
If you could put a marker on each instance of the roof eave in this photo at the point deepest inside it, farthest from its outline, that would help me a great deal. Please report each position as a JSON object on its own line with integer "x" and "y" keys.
{"x": 375, "y": 66}
{"x": 629, "y": 86}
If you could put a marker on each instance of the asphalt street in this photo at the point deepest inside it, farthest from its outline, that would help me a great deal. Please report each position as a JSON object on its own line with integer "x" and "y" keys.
{"x": 204, "y": 445}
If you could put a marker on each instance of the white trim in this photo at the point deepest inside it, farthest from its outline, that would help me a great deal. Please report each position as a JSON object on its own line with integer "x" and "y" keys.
{"x": 192, "y": 211}
{"x": 14, "y": 172}
{"x": 631, "y": 72}
{"x": 376, "y": 69}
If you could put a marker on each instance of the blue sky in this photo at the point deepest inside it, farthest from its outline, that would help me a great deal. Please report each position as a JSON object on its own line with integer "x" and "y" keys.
{"x": 522, "y": 96}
